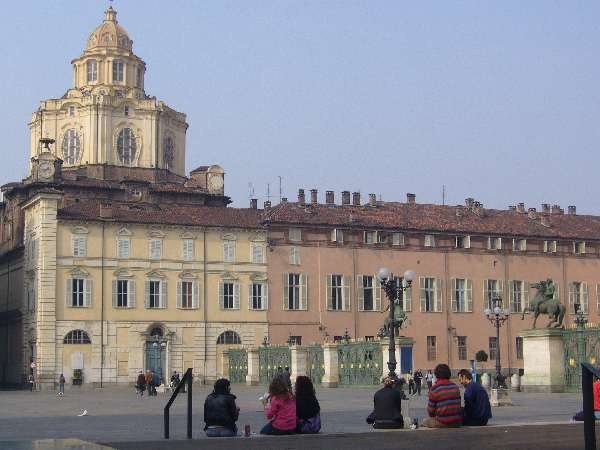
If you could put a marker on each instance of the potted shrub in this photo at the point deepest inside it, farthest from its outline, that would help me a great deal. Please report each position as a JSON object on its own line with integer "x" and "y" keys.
{"x": 77, "y": 377}
{"x": 481, "y": 356}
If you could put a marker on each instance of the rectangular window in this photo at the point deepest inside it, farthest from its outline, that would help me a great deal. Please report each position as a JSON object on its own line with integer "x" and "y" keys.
{"x": 295, "y": 340}
{"x": 519, "y": 245}
{"x": 92, "y": 70}
{"x": 139, "y": 73}
{"x": 519, "y": 295}
{"x": 155, "y": 248}
{"x": 337, "y": 235}
{"x": 429, "y": 240}
{"x": 258, "y": 296}
{"x": 406, "y": 295}
{"x": 79, "y": 246}
{"x": 462, "y": 295}
{"x": 258, "y": 253}
{"x": 398, "y": 239}
{"x": 463, "y": 242}
{"x": 156, "y": 294}
{"x": 431, "y": 294}
{"x": 369, "y": 293}
{"x": 462, "y": 348}
{"x": 117, "y": 70}
{"x": 123, "y": 248}
{"x": 187, "y": 249}
{"x": 519, "y": 347}
{"x": 337, "y": 293}
{"x": 578, "y": 295}
{"x": 229, "y": 295}
{"x": 493, "y": 348}
{"x": 369, "y": 237}
{"x": 229, "y": 251}
{"x": 549, "y": 246}
{"x": 124, "y": 293}
{"x": 295, "y": 234}
{"x": 71, "y": 111}
{"x": 188, "y": 294}
{"x": 79, "y": 292}
{"x": 494, "y": 243}
{"x": 579, "y": 248}
{"x": 491, "y": 290}
{"x": 431, "y": 348}
{"x": 294, "y": 255}
{"x": 295, "y": 291}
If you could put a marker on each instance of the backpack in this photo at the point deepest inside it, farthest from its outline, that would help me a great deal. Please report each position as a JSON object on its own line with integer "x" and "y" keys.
{"x": 312, "y": 425}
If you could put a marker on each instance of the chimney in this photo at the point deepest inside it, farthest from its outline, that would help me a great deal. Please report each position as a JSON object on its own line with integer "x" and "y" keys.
{"x": 521, "y": 207}
{"x": 531, "y": 213}
{"x": 284, "y": 200}
{"x": 356, "y": 198}
{"x": 411, "y": 198}
{"x": 267, "y": 205}
{"x": 301, "y": 197}
{"x": 345, "y": 197}
{"x": 313, "y": 196}
{"x": 106, "y": 211}
{"x": 555, "y": 209}
{"x": 512, "y": 208}
{"x": 372, "y": 200}
{"x": 545, "y": 221}
{"x": 329, "y": 197}
{"x": 545, "y": 208}
{"x": 469, "y": 202}
{"x": 253, "y": 203}
{"x": 572, "y": 210}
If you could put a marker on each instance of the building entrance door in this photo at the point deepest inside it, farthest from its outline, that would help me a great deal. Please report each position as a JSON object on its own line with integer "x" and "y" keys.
{"x": 155, "y": 358}
{"x": 406, "y": 361}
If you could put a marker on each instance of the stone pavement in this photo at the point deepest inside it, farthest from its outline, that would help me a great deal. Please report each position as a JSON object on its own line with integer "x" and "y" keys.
{"x": 117, "y": 414}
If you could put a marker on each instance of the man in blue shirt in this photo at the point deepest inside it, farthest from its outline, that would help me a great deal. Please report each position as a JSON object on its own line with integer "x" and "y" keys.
{"x": 477, "y": 410}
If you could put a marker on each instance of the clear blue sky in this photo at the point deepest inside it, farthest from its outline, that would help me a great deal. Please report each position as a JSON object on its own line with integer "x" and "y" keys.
{"x": 498, "y": 100}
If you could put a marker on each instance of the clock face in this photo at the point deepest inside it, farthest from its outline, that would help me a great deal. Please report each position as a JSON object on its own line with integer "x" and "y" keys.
{"x": 216, "y": 182}
{"x": 46, "y": 169}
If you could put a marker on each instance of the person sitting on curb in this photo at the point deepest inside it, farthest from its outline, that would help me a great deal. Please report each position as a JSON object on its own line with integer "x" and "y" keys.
{"x": 280, "y": 409}
{"x": 444, "y": 401}
{"x": 387, "y": 402}
{"x": 220, "y": 411}
{"x": 477, "y": 410}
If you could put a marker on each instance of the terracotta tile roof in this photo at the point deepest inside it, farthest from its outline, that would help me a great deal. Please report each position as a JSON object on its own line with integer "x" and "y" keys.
{"x": 166, "y": 214}
{"x": 436, "y": 218}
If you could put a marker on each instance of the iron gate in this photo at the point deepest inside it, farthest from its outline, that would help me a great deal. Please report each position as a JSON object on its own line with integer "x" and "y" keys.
{"x": 238, "y": 365}
{"x": 270, "y": 359}
{"x": 581, "y": 345}
{"x": 315, "y": 365}
{"x": 360, "y": 363}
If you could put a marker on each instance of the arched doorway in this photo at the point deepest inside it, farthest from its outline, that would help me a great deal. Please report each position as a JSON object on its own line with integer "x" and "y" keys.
{"x": 156, "y": 351}
{"x": 226, "y": 340}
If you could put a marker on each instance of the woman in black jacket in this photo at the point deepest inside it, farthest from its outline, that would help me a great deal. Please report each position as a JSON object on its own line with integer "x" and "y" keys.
{"x": 308, "y": 410}
{"x": 220, "y": 411}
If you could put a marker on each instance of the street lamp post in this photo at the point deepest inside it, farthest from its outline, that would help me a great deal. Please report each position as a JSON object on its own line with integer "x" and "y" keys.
{"x": 394, "y": 288}
{"x": 497, "y": 316}
{"x": 580, "y": 322}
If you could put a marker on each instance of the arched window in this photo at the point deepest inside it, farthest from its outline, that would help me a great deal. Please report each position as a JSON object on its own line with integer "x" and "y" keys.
{"x": 229, "y": 337}
{"x": 126, "y": 146}
{"x": 77, "y": 337}
{"x": 156, "y": 331}
{"x": 169, "y": 152}
{"x": 71, "y": 146}
{"x": 92, "y": 70}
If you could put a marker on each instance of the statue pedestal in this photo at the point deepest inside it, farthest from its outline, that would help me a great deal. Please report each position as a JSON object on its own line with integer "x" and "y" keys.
{"x": 543, "y": 360}
{"x": 500, "y": 397}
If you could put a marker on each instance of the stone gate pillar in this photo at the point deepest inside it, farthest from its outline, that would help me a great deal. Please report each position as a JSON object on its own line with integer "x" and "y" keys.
{"x": 543, "y": 361}
{"x": 223, "y": 369}
{"x": 253, "y": 376}
{"x": 299, "y": 356}
{"x": 331, "y": 378}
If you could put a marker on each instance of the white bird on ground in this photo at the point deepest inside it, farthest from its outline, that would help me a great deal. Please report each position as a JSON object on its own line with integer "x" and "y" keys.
{"x": 82, "y": 413}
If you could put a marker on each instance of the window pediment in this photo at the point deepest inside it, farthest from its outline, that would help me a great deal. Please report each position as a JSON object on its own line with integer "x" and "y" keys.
{"x": 156, "y": 233}
{"x": 188, "y": 275}
{"x": 229, "y": 276}
{"x": 228, "y": 237}
{"x": 187, "y": 235}
{"x": 258, "y": 276}
{"x": 79, "y": 272}
{"x": 156, "y": 274}
{"x": 123, "y": 231}
{"x": 123, "y": 273}
{"x": 257, "y": 237}
{"x": 79, "y": 230}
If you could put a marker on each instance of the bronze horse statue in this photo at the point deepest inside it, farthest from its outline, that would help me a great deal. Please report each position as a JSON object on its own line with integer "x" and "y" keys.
{"x": 545, "y": 303}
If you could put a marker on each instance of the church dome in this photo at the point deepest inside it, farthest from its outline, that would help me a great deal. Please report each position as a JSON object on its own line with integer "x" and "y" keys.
{"x": 109, "y": 34}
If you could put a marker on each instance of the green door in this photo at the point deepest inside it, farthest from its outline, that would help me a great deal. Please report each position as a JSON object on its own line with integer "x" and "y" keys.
{"x": 155, "y": 358}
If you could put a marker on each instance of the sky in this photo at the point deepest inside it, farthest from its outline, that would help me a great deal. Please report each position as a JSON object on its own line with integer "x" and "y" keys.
{"x": 496, "y": 100}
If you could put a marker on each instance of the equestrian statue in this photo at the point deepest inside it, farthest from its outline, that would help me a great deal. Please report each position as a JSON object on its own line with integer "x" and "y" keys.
{"x": 400, "y": 318}
{"x": 544, "y": 302}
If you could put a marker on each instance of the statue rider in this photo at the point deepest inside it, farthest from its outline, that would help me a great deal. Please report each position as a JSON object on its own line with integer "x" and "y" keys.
{"x": 549, "y": 291}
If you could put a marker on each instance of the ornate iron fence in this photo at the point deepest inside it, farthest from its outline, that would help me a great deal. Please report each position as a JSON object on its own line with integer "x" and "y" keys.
{"x": 238, "y": 365}
{"x": 582, "y": 345}
{"x": 315, "y": 363}
{"x": 360, "y": 363}
{"x": 270, "y": 359}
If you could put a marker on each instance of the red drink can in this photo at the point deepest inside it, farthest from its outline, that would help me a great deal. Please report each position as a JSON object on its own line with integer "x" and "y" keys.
{"x": 247, "y": 430}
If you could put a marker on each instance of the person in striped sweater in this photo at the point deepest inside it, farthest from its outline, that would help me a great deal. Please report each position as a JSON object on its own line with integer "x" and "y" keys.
{"x": 444, "y": 401}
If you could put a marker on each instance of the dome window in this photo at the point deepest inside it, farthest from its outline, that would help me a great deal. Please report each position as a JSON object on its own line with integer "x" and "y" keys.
{"x": 169, "y": 154}
{"x": 71, "y": 111}
{"x": 139, "y": 77}
{"x": 71, "y": 147}
{"x": 117, "y": 70}
{"x": 92, "y": 70}
{"x": 126, "y": 146}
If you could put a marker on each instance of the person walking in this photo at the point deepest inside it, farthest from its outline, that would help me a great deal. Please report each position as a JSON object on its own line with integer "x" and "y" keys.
{"x": 429, "y": 380}
{"x": 155, "y": 383}
{"x": 220, "y": 411}
{"x": 280, "y": 409}
{"x": 61, "y": 385}
{"x": 308, "y": 410}
{"x": 444, "y": 401}
{"x": 140, "y": 383}
{"x": 148, "y": 379}
{"x": 31, "y": 381}
{"x": 418, "y": 377}
{"x": 477, "y": 410}
{"x": 387, "y": 403}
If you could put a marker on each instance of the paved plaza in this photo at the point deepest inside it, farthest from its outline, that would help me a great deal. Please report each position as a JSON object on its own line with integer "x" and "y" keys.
{"x": 117, "y": 414}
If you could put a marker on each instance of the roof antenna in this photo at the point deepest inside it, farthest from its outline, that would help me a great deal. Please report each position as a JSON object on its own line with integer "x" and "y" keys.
{"x": 250, "y": 191}
{"x": 279, "y": 176}
{"x": 268, "y": 191}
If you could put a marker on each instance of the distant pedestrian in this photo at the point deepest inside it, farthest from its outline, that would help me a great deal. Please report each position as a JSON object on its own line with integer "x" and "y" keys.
{"x": 61, "y": 385}
{"x": 412, "y": 389}
{"x": 140, "y": 383}
{"x": 280, "y": 409}
{"x": 220, "y": 411}
{"x": 444, "y": 401}
{"x": 418, "y": 377}
{"x": 156, "y": 381}
{"x": 429, "y": 380}
{"x": 31, "y": 381}
{"x": 477, "y": 410}
{"x": 387, "y": 410}
{"x": 308, "y": 410}
{"x": 148, "y": 378}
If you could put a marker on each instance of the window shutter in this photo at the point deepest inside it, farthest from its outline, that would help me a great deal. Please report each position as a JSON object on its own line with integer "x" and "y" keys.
{"x": 500, "y": 288}
{"x": 345, "y": 293}
{"x": 250, "y": 292}
{"x": 376, "y": 293}
{"x": 333, "y": 236}
{"x": 584, "y": 297}
{"x": 438, "y": 295}
{"x": 221, "y": 295}
{"x": 195, "y": 295}
{"x": 286, "y": 290}
{"x": 131, "y": 293}
{"x": 69, "y": 291}
{"x": 164, "y": 294}
{"x": 303, "y": 291}
{"x": 329, "y": 297}
{"x": 571, "y": 298}
{"x": 115, "y": 289}
{"x": 236, "y": 295}
{"x": 407, "y": 297}
{"x": 511, "y": 296}
{"x": 360, "y": 293}
{"x": 453, "y": 295}
{"x": 469, "y": 295}
{"x": 265, "y": 304}
{"x": 485, "y": 295}
{"x": 147, "y": 294}
{"x": 87, "y": 288}
{"x": 525, "y": 295}
{"x": 179, "y": 295}
{"x": 467, "y": 241}
{"x": 422, "y": 294}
